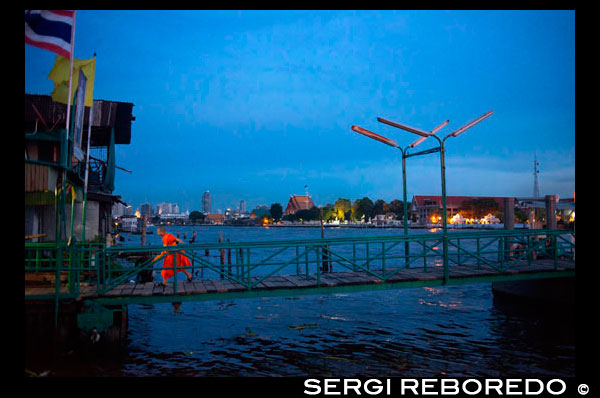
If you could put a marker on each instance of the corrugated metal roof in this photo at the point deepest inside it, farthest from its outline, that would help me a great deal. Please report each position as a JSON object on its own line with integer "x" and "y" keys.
{"x": 106, "y": 114}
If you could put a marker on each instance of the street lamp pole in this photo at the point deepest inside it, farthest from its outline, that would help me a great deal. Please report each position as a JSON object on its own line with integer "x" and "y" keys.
{"x": 424, "y": 135}
{"x": 405, "y": 155}
{"x": 405, "y": 208}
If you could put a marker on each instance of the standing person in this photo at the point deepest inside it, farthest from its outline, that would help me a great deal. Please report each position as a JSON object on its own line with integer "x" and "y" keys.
{"x": 193, "y": 238}
{"x": 168, "y": 263}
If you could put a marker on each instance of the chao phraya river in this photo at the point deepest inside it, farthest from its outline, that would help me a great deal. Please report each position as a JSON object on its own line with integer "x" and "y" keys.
{"x": 420, "y": 332}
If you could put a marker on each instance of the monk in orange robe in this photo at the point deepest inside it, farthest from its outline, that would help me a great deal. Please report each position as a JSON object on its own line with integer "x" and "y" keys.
{"x": 182, "y": 261}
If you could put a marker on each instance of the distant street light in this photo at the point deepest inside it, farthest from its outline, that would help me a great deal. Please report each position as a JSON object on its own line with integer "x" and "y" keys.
{"x": 424, "y": 135}
{"x": 405, "y": 154}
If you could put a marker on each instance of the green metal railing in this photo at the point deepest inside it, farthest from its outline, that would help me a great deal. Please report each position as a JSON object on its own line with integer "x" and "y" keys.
{"x": 66, "y": 268}
{"x": 251, "y": 263}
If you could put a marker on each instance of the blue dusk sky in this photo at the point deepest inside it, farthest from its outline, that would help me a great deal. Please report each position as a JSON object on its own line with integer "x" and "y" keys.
{"x": 254, "y": 105}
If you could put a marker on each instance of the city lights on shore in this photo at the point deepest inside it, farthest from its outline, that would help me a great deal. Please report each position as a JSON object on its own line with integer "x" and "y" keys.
{"x": 459, "y": 219}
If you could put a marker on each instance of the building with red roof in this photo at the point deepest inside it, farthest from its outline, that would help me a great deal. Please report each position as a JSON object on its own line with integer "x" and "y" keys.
{"x": 298, "y": 202}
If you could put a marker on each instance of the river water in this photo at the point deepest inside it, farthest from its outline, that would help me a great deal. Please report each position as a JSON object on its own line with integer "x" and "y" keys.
{"x": 418, "y": 332}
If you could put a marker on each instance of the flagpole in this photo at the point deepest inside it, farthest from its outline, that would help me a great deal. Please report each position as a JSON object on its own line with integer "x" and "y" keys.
{"x": 71, "y": 72}
{"x": 87, "y": 160}
{"x": 68, "y": 118}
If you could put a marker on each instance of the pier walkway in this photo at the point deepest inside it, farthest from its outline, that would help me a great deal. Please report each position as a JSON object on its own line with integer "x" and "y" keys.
{"x": 107, "y": 276}
{"x": 334, "y": 282}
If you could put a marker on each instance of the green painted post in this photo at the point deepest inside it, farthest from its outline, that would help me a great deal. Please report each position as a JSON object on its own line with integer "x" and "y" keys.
{"x": 75, "y": 266}
{"x": 237, "y": 262}
{"x": 445, "y": 221}
{"x": 555, "y": 250}
{"x": 405, "y": 210}
{"x": 248, "y": 264}
{"x": 297, "y": 260}
{"x": 424, "y": 257}
{"x": 241, "y": 262}
{"x": 59, "y": 260}
{"x": 478, "y": 253}
{"x": 229, "y": 273}
{"x": 72, "y": 214}
{"x": 99, "y": 265}
{"x": 318, "y": 269}
{"x": 501, "y": 251}
{"x": 306, "y": 260}
{"x": 174, "y": 272}
{"x": 383, "y": 258}
{"x": 56, "y": 218}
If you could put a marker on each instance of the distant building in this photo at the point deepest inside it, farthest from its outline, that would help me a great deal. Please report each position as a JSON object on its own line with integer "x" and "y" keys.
{"x": 242, "y": 207}
{"x": 215, "y": 219}
{"x": 298, "y": 202}
{"x": 146, "y": 209}
{"x": 206, "y": 207}
{"x": 565, "y": 210}
{"x": 384, "y": 219}
{"x": 118, "y": 209}
{"x": 128, "y": 223}
{"x": 162, "y": 208}
{"x": 174, "y": 216}
{"x": 167, "y": 208}
{"x": 260, "y": 212}
{"x": 425, "y": 206}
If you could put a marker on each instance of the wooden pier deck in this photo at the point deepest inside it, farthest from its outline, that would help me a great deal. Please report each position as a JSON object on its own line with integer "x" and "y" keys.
{"x": 210, "y": 289}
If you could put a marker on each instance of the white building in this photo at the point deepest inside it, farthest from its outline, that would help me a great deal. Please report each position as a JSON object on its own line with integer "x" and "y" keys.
{"x": 128, "y": 223}
{"x": 167, "y": 208}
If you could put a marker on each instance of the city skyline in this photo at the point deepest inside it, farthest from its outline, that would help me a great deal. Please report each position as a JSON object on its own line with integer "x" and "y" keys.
{"x": 254, "y": 105}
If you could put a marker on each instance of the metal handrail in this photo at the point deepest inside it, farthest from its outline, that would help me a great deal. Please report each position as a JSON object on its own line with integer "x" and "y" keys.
{"x": 94, "y": 264}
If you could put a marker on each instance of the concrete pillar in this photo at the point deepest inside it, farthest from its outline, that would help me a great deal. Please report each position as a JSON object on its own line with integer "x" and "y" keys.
{"x": 509, "y": 213}
{"x": 551, "y": 211}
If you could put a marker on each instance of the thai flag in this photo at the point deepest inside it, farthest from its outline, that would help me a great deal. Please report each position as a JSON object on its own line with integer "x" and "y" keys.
{"x": 50, "y": 30}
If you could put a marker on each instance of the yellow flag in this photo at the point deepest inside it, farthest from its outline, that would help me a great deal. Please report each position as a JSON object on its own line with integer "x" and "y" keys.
{"x": 60, "y": 75}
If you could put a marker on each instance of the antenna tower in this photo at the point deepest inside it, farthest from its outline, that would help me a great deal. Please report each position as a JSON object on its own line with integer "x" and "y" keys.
{"x": 536, "y": 188}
